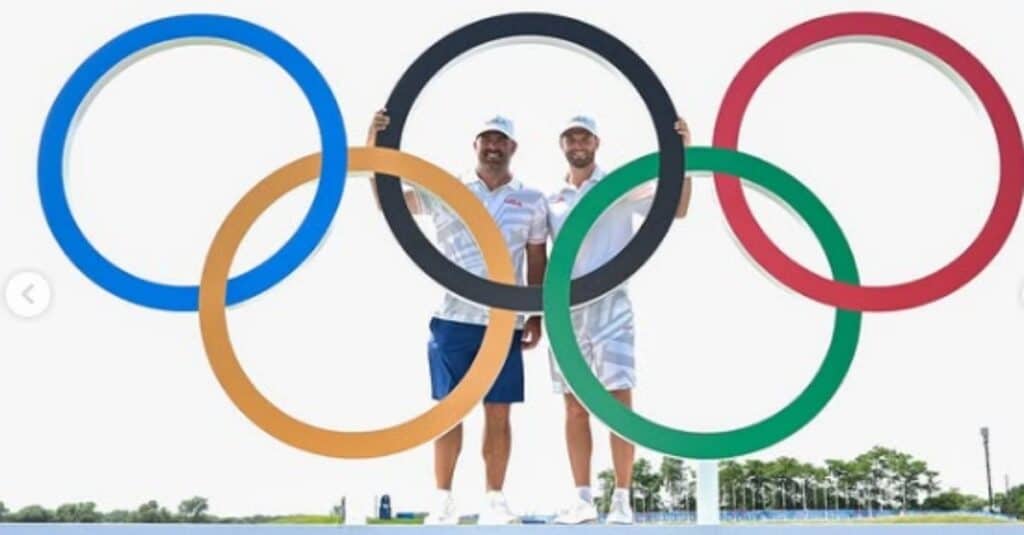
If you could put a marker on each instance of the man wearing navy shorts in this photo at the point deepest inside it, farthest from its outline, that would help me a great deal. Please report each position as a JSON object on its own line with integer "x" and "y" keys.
{"x": 457, "y": 327}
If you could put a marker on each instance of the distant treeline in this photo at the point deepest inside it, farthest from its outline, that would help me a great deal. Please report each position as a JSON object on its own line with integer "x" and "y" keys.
{"x": 192, "y": 510}
{"x": 880, "y": 479}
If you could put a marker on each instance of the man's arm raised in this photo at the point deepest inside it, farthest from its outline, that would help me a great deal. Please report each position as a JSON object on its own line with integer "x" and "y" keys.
{"x": 379, "y": 123}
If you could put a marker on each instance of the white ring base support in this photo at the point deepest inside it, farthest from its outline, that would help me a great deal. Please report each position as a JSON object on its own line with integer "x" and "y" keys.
{"x": 708, "y": 513}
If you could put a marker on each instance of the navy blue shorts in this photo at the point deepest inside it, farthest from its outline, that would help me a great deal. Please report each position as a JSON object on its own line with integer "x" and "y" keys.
{"x": 451, "y": 351}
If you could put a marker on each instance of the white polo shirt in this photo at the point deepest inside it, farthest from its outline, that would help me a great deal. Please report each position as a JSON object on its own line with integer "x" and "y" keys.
{"x": 604, "y": 327}
{"x": 521, "y": 214}
{"x": 611, "y": 232}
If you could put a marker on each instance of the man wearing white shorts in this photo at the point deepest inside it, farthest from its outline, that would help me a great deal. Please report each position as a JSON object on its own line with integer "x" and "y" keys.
{"x": 604, "y": 328}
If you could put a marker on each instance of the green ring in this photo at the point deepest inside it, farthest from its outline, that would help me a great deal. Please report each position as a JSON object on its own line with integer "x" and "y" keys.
{"x": 649, "y": 434}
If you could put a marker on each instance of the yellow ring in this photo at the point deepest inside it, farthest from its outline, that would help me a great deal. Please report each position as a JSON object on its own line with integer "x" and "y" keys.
{"x": 353, "y": 444}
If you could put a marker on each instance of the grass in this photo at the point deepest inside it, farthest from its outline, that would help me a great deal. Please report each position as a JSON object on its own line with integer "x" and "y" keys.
{"x": 306, "y": 519}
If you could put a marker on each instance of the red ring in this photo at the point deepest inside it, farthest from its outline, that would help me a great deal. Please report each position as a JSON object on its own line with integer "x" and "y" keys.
{"x": 873, "y": 298}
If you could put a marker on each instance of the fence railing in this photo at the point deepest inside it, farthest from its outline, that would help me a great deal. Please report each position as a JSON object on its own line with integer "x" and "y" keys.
{"x": 796, "y": 515}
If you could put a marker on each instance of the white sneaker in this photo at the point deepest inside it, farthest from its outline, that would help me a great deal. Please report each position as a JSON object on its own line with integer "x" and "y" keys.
{"x": 620, "y": 512}
{"x": 444, "y": 515}
{"x": 580, "y": 512}
{"x": 496, "y": 511}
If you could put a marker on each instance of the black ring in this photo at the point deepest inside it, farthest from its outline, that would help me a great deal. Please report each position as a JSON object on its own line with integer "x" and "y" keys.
{"x": 659, "y": 105}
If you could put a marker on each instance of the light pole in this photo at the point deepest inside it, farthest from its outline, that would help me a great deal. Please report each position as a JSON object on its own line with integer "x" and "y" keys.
{"x": 988, "y": 469}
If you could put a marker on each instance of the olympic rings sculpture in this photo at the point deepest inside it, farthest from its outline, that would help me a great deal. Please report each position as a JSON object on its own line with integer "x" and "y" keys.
{"x": 559, "y": 291}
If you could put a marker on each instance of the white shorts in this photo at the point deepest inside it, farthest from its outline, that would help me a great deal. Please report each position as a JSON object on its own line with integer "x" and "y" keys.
{"x": 605, "y": 333}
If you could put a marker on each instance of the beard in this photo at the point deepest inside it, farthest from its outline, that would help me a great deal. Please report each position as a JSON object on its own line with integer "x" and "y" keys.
{"x": 579, "y": 159}
{"x": 494, "y": 159}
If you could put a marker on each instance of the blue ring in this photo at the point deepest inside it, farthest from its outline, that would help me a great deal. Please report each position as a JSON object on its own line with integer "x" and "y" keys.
{"x": 330, "y": 187}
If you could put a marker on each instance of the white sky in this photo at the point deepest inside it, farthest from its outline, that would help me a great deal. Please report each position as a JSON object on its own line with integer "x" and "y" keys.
{"x": 106, "y": 401}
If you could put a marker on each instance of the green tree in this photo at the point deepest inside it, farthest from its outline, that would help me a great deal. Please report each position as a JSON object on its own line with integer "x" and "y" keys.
{"x": 3, "y": 510}
{"x": 691, "y": 488}
{"x": 194, "y": 509}
{"x": 607, "y": 483}
{"x": 975, "y": 503}
{"x": 732, "y": 480}
{"x": 78, "y": 513}
{"x": 673, "y": 481}
{"x": 783, "y": 473}
{"x": 646, "y": 486}
{"x": 66, "y": 513}
{"x": 757, "y": 476}
{"x": 806, "y": 477}
{"x": 151, "y": 513}
{"x": 33, "y": 513}
{"x": 819, "y": 494}
{"x": 1013, "y": 502}
{"x": 881, "y": 478}
{"x": 119, "y": 516}
{"x": 838, "y": 478}
{"x": 954, "y": 500}
{"x": 671, "y": 472}
{"x": 861, "y": 482}
{"x": 931, "y": 483}
{"x": 875, "y": 465}
{"x": 910, "y": 476}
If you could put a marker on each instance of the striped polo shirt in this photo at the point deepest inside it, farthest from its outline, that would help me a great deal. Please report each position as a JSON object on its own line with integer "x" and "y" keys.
{"x": 521, "y": 214}
{"x": 611, "y": 232}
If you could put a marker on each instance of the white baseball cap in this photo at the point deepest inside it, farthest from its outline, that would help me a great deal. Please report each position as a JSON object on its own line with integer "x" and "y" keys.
{"x": 499, "y": 123}
{"x": 585, "y": 122}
